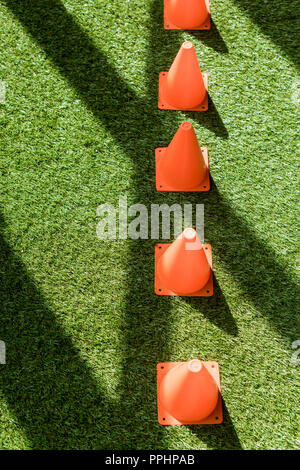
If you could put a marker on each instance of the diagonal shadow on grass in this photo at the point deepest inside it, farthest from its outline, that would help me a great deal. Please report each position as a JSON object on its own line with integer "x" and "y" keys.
{"x": 89, "y": 72}
{"x": 265, "y": 281}
{"x": 279, "y": 21}
{"x": 126, "y": 116}
{"x": 48, "y": 387}
{"x": 211, "y": 38}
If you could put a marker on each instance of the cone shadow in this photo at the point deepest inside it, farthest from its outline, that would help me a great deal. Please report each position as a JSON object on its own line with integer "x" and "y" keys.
{"x": 221, "y": 436}
{"x": 211, "y": 119}
{"x": 215, "y": 309}
{"x": 211, "y": 38}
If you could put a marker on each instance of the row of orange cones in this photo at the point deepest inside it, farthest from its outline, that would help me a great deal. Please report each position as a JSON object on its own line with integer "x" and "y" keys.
{"x": 183, "y": 165}
{"x": 188, "y": 392}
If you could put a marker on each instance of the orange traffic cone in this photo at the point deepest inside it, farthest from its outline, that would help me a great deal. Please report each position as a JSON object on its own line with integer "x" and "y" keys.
{"x": 183, "y": 166}
{"x": 189, "y": 393}
{"x": 184, "y": 87}
{"x": 184, "y": 267}
{"x": 187, "y": 14}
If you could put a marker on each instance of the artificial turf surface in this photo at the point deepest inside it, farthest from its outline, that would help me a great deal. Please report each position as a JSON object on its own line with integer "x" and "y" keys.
{"x": 82, "y": 325}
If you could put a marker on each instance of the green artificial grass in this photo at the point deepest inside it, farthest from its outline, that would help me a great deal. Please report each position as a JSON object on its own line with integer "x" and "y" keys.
{"x": 82, "y": 325}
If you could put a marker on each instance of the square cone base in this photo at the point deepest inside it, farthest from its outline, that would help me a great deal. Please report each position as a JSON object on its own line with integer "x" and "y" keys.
{"x": 160, "y": 289}
{"x": 164, "y": 187}
{"x": 162, "y": 103}
{"x": 216, "y": 417}
{"x": 169, "y": 25}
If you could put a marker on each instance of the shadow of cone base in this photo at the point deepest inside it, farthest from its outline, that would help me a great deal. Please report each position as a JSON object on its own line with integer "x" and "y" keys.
{"x": 162, "y": 103}
{"x": 160, "y": 289}
{"x": 165, "y": 418}
{"x": 169, "y": 25}
{"x": 161, "y": 185}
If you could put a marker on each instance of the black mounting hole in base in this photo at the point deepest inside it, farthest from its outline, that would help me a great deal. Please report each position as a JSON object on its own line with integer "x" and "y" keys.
{"x": 207, "y": 291}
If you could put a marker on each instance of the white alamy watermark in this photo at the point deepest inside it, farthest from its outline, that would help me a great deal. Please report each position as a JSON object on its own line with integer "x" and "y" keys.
{"x": 2, "y": 92}
{"x": 140, "y": 222}
{"x": 2, "y": 353}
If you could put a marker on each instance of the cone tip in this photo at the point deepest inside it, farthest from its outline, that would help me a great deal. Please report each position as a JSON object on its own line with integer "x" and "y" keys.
{"x": 187, "y": 45}
{"x": 186, "y": 126}
{"x": 189, "y": 234}
{"x": 195, "y": 365}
